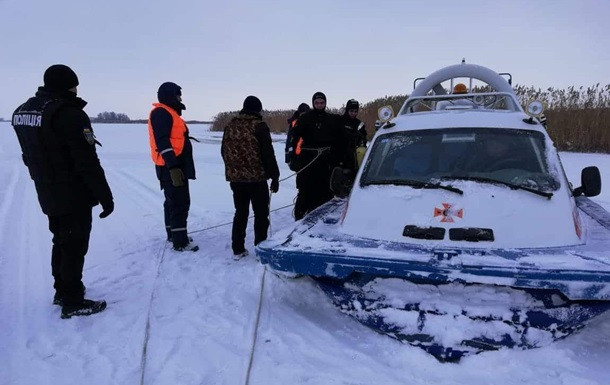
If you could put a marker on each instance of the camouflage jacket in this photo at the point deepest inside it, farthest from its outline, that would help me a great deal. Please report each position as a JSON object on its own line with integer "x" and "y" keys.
{"x": 247, "y": 150}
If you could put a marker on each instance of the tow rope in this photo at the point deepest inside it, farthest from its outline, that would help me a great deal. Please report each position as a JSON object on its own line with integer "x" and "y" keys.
{"x": 320, "y": 152}
{"x": 150, "y": 301}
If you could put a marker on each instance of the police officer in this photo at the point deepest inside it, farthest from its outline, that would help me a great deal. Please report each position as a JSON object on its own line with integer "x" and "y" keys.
{"x": 249, "y": 161}
{"x": 317, "y": 143}
{"x": 58, "y": 148}
{"x": 172, "y": 155}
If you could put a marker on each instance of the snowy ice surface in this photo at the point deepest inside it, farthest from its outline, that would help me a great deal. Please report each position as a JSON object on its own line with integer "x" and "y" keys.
{"x": 189, "y": 318}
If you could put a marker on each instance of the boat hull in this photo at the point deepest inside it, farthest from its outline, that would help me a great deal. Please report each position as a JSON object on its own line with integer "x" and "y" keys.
{"x": 545, "y": 293}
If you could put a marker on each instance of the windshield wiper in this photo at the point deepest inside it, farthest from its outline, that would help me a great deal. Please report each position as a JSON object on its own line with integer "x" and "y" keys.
{"x": 495, "y": 181}
{"x": 415, "y": 184}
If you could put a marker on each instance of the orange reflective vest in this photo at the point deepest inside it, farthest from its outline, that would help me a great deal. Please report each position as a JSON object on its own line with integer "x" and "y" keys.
{"x": 176, "y": 137}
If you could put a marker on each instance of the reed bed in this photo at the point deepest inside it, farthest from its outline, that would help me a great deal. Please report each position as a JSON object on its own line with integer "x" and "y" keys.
{"x": 578, "y": 118}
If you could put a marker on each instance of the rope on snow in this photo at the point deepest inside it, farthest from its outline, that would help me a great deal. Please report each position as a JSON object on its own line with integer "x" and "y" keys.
{"x": 320, "y": 152}
{"x": 147, "y": 329}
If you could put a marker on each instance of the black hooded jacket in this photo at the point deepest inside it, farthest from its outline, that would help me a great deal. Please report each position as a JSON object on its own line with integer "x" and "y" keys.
{"x": 321, "y": 149}
{"x": 58, "y": 147}
{"x": 318, "y": 129}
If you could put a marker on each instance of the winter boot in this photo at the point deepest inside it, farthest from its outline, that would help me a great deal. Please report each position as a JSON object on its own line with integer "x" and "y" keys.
{"x": 239, "y": 255}
{"x": 82, "y": 308}
{"x": 188, "y": 247}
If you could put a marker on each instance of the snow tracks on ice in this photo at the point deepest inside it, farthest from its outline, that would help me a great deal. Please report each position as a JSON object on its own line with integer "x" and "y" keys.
{"x": 202, "y": 319}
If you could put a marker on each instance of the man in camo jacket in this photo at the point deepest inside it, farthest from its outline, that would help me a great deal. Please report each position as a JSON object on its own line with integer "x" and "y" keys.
{"x": 249, "y": 161}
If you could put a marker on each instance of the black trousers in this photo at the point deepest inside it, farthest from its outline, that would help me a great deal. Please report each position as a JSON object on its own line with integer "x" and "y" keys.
{"x": 243, "y": 194}
{"x": 313, "y": 184}
{"x": 310, "y": 199}
{"x": 176, "y": 210}
{"x": 70, "y": 244}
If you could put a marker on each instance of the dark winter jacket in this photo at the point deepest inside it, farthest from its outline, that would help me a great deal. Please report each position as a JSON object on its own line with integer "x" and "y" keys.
{"x": 321, "y": 134}
{"x": 58, "y": 147}
{"x": 351, "y": 137}
{"x": 292, "y": 121}
{"x": 319, "y": 130}
{"x": 289, "y": 150}
{"x": 247, "y": 150}
{"x": 161, "y": 122}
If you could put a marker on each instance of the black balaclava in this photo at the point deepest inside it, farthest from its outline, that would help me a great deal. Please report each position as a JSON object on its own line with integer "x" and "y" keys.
{"x": 59, "y": 77}
{"x": 168, "y": 94}
{"x": 318, "y": 95}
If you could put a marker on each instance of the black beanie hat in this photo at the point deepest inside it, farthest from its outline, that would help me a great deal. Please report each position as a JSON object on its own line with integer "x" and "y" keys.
{"x": 318, "y": 95}
{"x": 253, "y": 104}
{"x": 352, "y": 104}
{"x": 60, "y": 77}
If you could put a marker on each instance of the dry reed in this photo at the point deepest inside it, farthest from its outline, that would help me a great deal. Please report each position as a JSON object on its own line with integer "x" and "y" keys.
{"x": 578, "y": 118}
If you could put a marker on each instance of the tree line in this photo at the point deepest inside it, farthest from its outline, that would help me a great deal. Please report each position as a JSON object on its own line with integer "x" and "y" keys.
{"x": 114, "y": 117}
{"x": 111, "y": 117}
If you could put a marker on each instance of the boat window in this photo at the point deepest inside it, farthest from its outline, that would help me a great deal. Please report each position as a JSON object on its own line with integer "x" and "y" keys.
{"x": 507, "y": 155}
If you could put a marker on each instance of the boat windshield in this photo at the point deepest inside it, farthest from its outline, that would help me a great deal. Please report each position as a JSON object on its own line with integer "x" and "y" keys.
{"x": 515, "y": 158}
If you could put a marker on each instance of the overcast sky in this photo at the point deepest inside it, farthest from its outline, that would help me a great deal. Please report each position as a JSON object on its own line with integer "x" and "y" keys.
{"x": 283, "y": 51}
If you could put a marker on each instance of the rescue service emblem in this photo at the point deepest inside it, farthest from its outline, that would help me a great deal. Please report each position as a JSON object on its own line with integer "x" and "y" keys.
{"x": 89, "y": 137}
{"x": 448, "y": 213}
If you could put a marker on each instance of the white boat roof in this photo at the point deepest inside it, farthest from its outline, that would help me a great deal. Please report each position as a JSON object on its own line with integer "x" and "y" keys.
{"x": 462, "y": 118}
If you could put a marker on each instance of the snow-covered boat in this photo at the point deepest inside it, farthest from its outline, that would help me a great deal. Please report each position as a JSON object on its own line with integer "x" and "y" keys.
{"x": 461, "y": 232}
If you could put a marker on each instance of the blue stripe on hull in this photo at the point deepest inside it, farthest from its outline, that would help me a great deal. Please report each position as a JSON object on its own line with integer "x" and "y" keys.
{"x": 442, "y": 266}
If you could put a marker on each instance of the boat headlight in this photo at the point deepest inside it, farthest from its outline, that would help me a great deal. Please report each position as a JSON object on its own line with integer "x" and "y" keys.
{"x": 479, "y": 100}
{"x": 385, "y": 113}
{"x": 535, "y": 108}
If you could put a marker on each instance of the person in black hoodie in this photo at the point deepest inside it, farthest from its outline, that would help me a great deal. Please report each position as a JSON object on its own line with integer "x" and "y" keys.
{"x": 249, "y": 161}
{"x": 58, "y": 148}
{"x": 172, "y": 154}
{"x": 317, "y": 142}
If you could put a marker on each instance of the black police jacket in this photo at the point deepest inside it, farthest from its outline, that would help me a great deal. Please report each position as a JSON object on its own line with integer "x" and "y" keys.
{"x": 58, "y": 147}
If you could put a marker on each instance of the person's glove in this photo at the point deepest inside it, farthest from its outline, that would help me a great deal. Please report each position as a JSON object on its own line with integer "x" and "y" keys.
{"x": 177, "y": 177}
{"x": 275, "y": 185}
{"x": 107, "y": 209}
